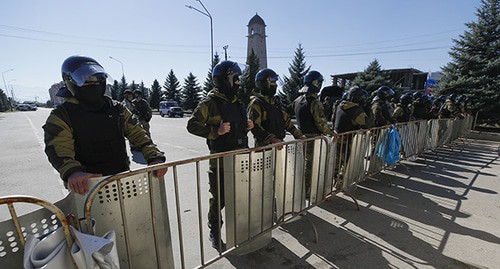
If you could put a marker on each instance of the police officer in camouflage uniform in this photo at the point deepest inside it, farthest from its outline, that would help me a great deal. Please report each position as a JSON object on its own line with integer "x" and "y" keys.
{"x": 128, "y": 98}
{"x": 270, "y": 120}
{"x": 143, "y": 110}
{"x": 404, "y": 109}
{"x": 449, "y": 109}
{"x": 350, "y": 116}
{"x": 421, "y": 106}
{"x": 380, "y": 107}
{"x": 85, "y": 136}
{"x": 222, "y": 120}
{"x": 350, "y": 113}
{"x": 311, "y": 118}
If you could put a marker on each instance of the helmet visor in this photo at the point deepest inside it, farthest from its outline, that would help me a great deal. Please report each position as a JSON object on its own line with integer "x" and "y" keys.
{"x": 88, "y": 72}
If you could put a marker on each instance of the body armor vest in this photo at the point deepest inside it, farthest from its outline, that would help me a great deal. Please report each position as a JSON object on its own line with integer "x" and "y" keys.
{"x": 305, "y": 120}
{"x": 274, "y": 123}
{"x": 344, "y": 120}
{"x": 419, "y": 111}
{"x": 99, "y": 138}
{"x": 234, "y": 113}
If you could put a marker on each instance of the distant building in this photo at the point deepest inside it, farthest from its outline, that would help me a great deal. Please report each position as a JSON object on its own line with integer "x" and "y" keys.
{"x": 405, "y": 78}
{"x": 257, "y": 39}
{"x": 56, "y": 100}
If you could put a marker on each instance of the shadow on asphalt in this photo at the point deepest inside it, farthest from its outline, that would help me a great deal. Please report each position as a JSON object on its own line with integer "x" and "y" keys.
{"x": 379, "y": 235}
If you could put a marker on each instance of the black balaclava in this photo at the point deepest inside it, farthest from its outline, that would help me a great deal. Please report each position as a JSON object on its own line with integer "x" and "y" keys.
{"x": 91, "y": 97}
{"x": 269, "y": 89}
{"x": 230, "y": 87}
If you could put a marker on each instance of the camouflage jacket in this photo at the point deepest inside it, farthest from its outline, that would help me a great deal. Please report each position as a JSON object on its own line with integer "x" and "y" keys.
{"x": 318, "y": 115}
{"x": 60, "y": 144}
{"x": 258, "y": 114}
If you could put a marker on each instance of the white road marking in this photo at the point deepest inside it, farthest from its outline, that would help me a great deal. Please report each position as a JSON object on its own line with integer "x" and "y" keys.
{"x": 42, "y": 145}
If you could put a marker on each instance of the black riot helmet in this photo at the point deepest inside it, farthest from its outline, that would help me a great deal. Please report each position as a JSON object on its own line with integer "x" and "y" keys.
{"x": 225, "y": 74}
{"x": 384, "y": 92}
{"x": 406, "y": 99}
{"x": 266, "y": 81}
{"x": 356, "y": 95}
{"x": 418, "y": 95}
{"x": 78, "y": 70}
{"x": 453, "y": 97}
{"x": 313, "y": 78}
{"x": 462, "y": 99}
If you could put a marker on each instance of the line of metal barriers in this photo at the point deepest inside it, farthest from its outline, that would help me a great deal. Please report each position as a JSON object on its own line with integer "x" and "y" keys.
{"x": 161, "y": 222}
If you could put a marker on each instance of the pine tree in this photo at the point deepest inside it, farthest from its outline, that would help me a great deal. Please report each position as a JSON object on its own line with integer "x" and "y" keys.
{"x": 172, "y": 87}
{"x": 372, "y": 77}
{"x": 134, "y": 87}
{"x": 143, "y": 89}
{"x": 154, "y": 101}
{"x": 209, "y": 84}
{"x": 191, "y": 92}
{"x": 4, "y": 101}
{"x": 123, "y": 86}
{"x": 295, "y": 82}
{"x": 475, "y": 66}
{"x": 248, "y": 79}
{"x": 115, "y": 90}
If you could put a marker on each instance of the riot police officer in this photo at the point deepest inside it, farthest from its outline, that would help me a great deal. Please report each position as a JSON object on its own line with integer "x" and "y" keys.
{"x": 380, "y": 107}
{"x": 270, "y": 120}
{"x": 449, "y": 109}
{"x": 404, "y": 109}
{"x": 128, "y": 98}
{"x": 221, "y": 119}
{"x": 85, "y": 136}
{"x": 143, "y": 110}
{"x": 311, "y": 118}
{"x": 350, "y": 113}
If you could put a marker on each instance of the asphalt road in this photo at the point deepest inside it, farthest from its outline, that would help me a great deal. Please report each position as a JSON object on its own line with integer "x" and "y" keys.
{"x": 25, "y": 169}
{"x": 441, "y": 211}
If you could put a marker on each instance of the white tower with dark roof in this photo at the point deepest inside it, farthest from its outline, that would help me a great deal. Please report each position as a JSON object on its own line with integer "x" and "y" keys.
{"x": 257, "y": 39}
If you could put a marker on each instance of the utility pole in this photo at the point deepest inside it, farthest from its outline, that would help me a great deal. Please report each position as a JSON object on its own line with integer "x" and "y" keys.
{"x": 225, "y": 51}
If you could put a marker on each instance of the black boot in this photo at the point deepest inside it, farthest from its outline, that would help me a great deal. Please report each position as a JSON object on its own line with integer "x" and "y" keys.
{"x": 216, "y": 241}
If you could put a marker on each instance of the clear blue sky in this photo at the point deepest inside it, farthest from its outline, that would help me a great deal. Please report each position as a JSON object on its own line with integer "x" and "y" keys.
{"x": 150, "y": 37}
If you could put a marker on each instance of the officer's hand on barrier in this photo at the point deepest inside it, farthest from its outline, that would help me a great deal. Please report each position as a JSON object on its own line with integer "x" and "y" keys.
{"x": 160, "y": 172}
{"x": 224, "y": 128}
{"x": 249, "y": 125}
{"x": 277, "y": 141}
{"x": 79, "y": 182}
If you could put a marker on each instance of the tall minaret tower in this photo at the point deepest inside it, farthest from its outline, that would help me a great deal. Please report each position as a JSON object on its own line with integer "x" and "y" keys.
{"x": 257, "y": 39}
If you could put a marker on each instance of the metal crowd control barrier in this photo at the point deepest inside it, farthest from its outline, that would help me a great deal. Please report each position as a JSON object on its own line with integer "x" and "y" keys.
{"x": 38, "y": 223}
{"x": 134, "y": 205}
{"x": 161, "y": 223}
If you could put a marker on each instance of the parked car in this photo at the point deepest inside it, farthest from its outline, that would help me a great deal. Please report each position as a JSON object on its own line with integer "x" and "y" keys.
{"x": 23, "y": 107}
{"x": 166, "y": 106}
{"x": 175, "y": 111}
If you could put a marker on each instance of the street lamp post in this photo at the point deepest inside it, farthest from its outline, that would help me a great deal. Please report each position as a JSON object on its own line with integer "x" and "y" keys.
{"x": 206, "y": 13}
{"x": 11, "y": 88}
{"x": 123, "y": 72}
{"x": 5, "y": 85}
{"x": 225, "y": 51}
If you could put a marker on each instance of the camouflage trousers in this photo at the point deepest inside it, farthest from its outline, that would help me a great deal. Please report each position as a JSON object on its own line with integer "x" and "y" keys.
{"x": 217, "y": 192}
